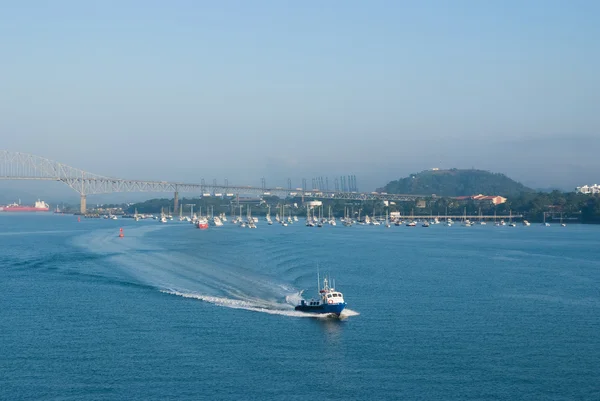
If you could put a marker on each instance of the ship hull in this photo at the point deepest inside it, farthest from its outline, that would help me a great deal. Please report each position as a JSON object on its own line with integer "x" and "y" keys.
{"x": 335, "y": 309}
{"x": 23, "y": 209}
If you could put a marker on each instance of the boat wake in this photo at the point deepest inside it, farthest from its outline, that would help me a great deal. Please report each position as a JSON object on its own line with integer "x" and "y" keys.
{"x": 259, "y": 305}
{"x": 216, "y": 279}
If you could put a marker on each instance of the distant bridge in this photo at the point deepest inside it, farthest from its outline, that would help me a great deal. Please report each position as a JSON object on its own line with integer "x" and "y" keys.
{"x": 24, "y": 166}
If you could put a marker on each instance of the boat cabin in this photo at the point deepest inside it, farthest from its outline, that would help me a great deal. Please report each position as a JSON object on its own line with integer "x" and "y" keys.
{"x": 312, "y": 302}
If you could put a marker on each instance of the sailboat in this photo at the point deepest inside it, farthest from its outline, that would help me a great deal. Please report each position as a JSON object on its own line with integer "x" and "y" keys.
{"x": 347, "y": 219}
{"x": 283, "y": 220}
{"x": 481, "y": 222}
{"x": 510, "y": 222}
{"x": 387, "y": 221}
{"x": 309, "y": 222}
{"x": 250, "y": 222}
{"x": 412, "y": 222}
{"x": 320, "y": 221}
{"x": 466, "y": 221}
{"x": 546, "y": 224}
{"x": 561, "y": 221}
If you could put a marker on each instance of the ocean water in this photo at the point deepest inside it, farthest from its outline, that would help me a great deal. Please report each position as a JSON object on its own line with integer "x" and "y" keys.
{"x": 172, "y": 312}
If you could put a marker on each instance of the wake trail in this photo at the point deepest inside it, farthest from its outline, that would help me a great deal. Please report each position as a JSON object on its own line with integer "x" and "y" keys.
{"x": 214, "y": 279}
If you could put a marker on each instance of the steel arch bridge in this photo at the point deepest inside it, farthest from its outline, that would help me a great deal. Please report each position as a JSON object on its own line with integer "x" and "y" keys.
{"x": 25, "y": 166}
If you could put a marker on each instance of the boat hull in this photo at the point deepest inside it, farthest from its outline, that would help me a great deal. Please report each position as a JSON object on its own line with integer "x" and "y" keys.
{"x": 335, "y": 309}
{"x": 22, "y": 209}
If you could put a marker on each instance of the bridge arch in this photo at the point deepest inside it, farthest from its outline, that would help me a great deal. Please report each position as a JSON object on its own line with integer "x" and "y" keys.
{"x": 25, "y": 166}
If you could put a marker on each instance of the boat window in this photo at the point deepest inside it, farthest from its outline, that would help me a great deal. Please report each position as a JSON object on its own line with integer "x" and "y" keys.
{"x": 335, "y": 295}
{"x": 328, "y": 295}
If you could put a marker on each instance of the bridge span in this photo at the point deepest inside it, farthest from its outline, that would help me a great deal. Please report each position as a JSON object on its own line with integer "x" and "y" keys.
{"x": 24, "y": 166}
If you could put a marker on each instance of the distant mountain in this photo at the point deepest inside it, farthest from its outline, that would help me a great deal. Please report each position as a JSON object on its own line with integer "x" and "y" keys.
{"x": 456, "y": 182}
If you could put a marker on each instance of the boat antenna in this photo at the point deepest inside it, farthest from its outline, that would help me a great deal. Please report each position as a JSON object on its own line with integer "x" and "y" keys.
{"x": 318, "y": 279}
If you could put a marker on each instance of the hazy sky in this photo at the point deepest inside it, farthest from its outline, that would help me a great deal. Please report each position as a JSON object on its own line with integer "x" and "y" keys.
{"x": 184, "y": 90}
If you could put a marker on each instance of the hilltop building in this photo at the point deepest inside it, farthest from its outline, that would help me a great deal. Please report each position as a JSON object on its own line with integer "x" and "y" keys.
{"x": 588, "y": 189}
{"x": 493, "y": 200}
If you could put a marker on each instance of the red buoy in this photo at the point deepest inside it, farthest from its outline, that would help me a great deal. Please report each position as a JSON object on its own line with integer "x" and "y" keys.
{"x": 78, "y": 219}
{"x": 121, "y": 235}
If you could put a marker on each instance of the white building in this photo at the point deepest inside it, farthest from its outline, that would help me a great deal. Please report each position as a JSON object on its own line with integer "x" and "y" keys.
{"x": 589, "y": 189}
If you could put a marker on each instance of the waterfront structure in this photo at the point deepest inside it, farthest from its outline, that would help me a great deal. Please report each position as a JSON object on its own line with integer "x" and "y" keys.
{"x": 494, "y": 199}
{"x": 588, "y": 189}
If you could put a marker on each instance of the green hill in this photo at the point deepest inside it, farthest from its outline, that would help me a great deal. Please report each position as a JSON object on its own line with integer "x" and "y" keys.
{"x": 456, "y": 182}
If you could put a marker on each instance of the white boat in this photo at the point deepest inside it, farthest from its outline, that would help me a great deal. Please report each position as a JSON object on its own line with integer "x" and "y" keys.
{"x": 466, "y": 222}
{"x": 217, "y": 221}
{"x": 545, "y": 224}
{"x": 526, "y": 223}
{"x": 510, "y": 222}
{"x": 331, "y": 220}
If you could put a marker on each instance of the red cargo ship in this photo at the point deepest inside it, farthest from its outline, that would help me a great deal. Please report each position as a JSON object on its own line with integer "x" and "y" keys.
{"x": 40, "y": 206}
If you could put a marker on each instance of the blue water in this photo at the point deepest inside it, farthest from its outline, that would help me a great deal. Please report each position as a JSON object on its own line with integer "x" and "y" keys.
{"x": 172, "y": 312}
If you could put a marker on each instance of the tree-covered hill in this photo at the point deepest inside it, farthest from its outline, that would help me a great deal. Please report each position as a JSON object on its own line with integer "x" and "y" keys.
{"x": 456, "y": 182}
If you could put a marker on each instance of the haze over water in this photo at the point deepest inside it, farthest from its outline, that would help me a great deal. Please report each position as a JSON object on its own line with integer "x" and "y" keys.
{"x": 170, "y": 311}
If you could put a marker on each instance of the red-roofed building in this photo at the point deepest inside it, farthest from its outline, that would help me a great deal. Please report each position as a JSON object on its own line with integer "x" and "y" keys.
{"x": 494, "y": 200}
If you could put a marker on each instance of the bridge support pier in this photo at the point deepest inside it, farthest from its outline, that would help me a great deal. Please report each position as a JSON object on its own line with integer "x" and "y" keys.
{"x": 83, "y": 205}
{"x": 176, "y": 202}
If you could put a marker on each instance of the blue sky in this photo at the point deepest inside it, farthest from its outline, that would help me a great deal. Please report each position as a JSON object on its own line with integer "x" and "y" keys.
{"x": 186, "y": 90}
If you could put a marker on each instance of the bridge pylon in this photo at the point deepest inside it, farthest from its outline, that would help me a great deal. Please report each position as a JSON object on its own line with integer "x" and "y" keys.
{"x": 176, "y": 202}
{"x": 83, "y": 204}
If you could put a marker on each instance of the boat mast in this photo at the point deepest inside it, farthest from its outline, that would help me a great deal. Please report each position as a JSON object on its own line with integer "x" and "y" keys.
{"x": 318, "y": 279}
